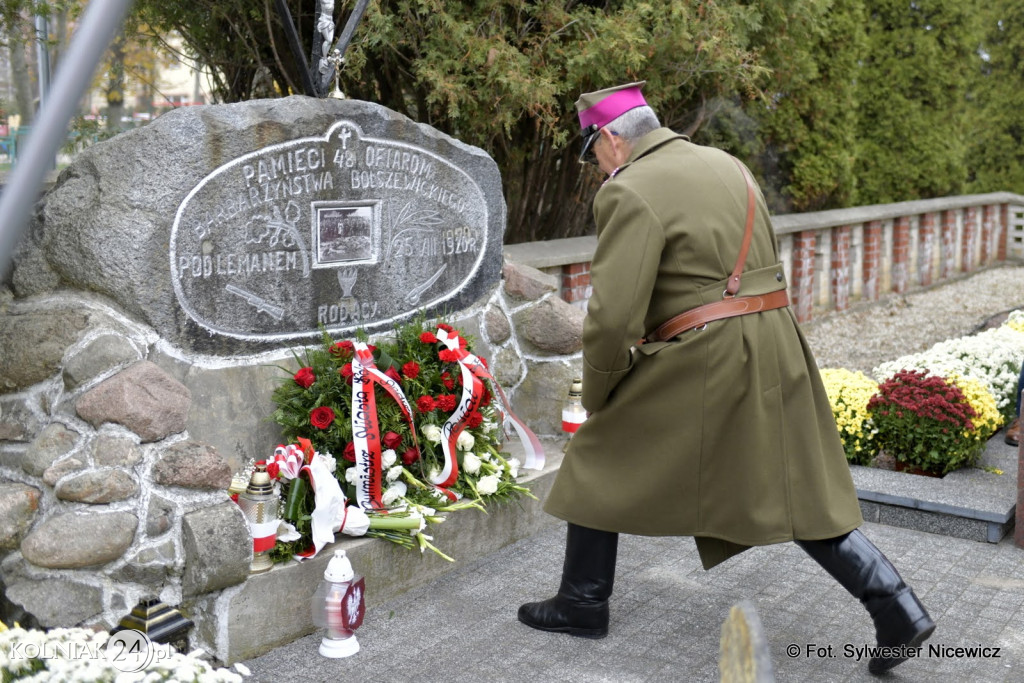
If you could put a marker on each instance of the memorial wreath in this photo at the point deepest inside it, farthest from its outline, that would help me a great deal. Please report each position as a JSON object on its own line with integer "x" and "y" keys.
{"x": 386, "y": 439}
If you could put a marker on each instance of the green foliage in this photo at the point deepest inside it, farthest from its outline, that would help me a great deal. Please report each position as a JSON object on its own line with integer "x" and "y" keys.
{"x": 808, "y": 128}
{"x": 912, "y": 99}
{"x": 996, "y": 132}
{"x": 832, "y": 102}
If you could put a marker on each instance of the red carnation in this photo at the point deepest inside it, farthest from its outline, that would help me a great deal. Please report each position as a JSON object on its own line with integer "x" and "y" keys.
{"x": 428, "y": 338}
{"x": 410, "y": 456}
{"x": 448, "y": 356}
{"x": 390, "y": 372}
{"x": 346, "y": 372}
{"x": 321, "y": 417}
{"x": 343, "y": 349}
{"x": 446, "y": 402}
{"x": 411, "y": 370}
{"x": 273, "y": 469}
{"x": 447, "y": 381}
{"x": 446, "y": 327}
{"x": 391, "y": 440}
{"x": 349, "y": 452}
{"x": 474, "y": 419}
{"x": 305, "y": 378}
{"x": 486, "y": 400}
{"x": 425, "y": 404}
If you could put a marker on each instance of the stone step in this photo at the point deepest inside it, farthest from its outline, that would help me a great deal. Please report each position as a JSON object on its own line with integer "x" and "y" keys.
{"x": 974, "y": 503}
{"x": 272, "y": 609}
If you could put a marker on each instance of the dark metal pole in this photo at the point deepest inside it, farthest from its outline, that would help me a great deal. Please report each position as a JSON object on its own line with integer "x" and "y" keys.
{"x": 101, "y": 20}
{"x": 345, "y": 39}
{"x": 293, "y": 43}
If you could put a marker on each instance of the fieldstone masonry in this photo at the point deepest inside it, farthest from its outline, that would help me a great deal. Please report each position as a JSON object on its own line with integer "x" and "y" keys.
{"x": 157, "y": 301}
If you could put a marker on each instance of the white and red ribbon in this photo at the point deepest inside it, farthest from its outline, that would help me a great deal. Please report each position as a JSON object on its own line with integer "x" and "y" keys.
{"x": 366, "y": 428}
{"x": 289, "y": 460}
{"x": 474, "y": 372}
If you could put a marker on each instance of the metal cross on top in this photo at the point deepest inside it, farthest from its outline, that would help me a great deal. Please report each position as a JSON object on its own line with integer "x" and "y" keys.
{"x": 325, "y": 61}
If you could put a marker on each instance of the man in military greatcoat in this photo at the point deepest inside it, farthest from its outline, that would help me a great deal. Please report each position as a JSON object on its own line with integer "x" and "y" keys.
{"x": 708, "y": 417}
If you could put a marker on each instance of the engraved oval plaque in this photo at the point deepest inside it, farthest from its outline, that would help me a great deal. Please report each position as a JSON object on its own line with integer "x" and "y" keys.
{"x": 342, "y": 231}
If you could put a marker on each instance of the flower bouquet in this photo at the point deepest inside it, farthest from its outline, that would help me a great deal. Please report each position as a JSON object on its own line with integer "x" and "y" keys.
{"x": 390, "y": 438}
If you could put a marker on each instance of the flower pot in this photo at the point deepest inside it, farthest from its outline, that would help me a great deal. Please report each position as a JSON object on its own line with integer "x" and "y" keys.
{"x": 907, "y": 468}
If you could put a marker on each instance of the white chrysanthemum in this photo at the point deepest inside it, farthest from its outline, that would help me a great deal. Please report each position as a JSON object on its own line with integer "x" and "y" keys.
{"x": 393, "y": 493}
{"x": 487, "y": 485}
{"x": 470, "y": 463}
{"x": 465, "y": 442}
{"x": 992, "y": 358}
{"x": 394, "y": 473}
{"x": 431, "y": 433}
{"x": 513, "y": 467}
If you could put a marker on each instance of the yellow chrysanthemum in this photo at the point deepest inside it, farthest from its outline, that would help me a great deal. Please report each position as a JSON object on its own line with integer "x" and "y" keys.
{"x": 849, "y": 393}
{"x": 987, "y": 416}
{"x": 1016, "y": 321}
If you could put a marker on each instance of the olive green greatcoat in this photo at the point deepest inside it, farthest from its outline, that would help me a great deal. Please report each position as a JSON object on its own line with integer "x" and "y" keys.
{"x": 724, "y": 434}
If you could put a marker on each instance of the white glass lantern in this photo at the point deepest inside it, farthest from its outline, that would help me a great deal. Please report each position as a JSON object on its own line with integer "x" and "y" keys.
{"x": 338, "y": 606}
{"x": 260, "y": 505}
{"x": 573, "y": 413}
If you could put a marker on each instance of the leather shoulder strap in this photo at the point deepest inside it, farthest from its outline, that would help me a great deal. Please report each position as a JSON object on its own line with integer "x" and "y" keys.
{"x": 734, "y": 280}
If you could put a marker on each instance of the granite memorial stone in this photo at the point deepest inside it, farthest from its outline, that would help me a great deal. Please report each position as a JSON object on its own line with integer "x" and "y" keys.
{"x": 267, "y": 221}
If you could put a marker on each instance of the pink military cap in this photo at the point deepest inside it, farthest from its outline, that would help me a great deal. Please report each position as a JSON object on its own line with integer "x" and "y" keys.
{"x": 604, "y": 106}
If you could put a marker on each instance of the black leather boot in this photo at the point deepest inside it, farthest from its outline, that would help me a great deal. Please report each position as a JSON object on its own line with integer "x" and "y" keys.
{"x": 901, "y": 622}
{"x": 581, "y": 606}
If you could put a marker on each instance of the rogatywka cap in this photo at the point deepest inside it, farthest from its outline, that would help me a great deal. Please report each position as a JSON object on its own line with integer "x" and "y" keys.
{"x": 604, "y": 106}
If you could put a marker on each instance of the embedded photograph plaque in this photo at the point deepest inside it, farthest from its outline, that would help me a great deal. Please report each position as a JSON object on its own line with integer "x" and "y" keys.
{"x": 341, "y": 231}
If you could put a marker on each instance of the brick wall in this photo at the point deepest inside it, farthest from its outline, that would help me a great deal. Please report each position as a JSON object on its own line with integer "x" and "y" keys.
{"x": 835, "y": 258}
{"x": 576, "y": 283}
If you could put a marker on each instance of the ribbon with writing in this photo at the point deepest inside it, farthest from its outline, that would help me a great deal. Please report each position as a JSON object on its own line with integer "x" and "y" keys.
{"x": 474, "y": 373}
{"x": 366, "y": 427}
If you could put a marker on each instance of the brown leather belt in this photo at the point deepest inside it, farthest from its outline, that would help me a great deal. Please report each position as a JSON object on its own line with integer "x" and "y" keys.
{"x": 717, "y": 310}
{"x": 730, "y": 305}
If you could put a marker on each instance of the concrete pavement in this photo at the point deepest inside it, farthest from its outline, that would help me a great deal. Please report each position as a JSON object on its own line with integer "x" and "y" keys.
{"x": 666, "y": 617}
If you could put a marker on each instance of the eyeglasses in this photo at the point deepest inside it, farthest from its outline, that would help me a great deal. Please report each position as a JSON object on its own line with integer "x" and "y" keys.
{"x": 591, "y": 134}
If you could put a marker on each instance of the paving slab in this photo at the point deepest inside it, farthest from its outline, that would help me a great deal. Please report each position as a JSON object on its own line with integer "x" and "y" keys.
{"x": 667, "y": 614}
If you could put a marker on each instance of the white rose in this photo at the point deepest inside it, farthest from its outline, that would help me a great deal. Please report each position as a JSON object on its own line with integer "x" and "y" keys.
{"x": 394, "y": 492}
{"x": 388, "y": 457}
{"x": 394, "y": 473}
{"x": 431, "y": 433}
{"x": 465, "y": 441}
{"x": 470, "y": 463}
{"x": 487, "y": 485}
